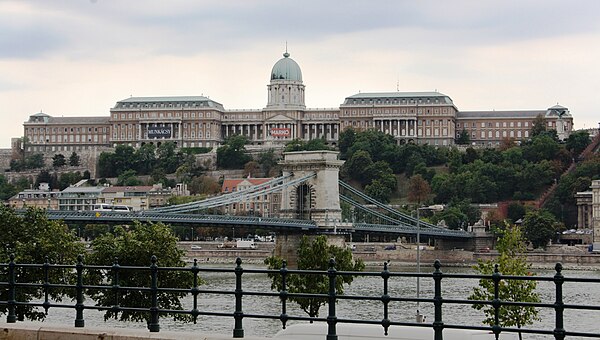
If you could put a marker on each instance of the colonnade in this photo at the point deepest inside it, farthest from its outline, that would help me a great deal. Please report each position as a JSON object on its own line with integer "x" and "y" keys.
{"x": 329, "y": 131}
{"x": 397, "y": 127}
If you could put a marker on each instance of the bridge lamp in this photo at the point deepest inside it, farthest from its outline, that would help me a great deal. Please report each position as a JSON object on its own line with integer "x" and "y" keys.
{"x": 436, "y": 207}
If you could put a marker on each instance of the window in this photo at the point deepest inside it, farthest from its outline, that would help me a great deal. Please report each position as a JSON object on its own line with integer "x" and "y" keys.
{"x": 482, "y": 124}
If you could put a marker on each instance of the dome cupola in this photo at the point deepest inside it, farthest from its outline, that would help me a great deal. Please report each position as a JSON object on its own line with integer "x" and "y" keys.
{"x": 286, "y": 69}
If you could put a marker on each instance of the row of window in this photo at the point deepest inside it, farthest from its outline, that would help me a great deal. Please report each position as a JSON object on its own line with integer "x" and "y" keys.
{"x": 496, "y": 124}
{"x": 496, "y": 134}
{"x": 177, "y": 104}
{"x": 392, "y": 111}
{"x": 389, "y": 101}
{"x": 42, "y": 130}
{"x": 67, "y": 138}
{"x": 138, "y": 115}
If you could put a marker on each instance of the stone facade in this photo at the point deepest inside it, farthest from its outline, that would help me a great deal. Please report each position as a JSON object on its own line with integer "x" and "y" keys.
{"x": 317, "y": 198}
{"x": 198, "y": 121}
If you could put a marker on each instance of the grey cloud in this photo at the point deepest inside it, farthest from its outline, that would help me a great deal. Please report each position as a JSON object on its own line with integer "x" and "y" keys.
{"x": 28, "y": 42}
{"x": 184, "y": 27}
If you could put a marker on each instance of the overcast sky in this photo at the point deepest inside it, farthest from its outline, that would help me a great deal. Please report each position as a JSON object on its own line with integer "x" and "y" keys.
{"x": 79, "y": 57}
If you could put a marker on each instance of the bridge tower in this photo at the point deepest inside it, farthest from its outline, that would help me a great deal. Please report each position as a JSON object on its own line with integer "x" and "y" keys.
{"x": 318, "y": 198}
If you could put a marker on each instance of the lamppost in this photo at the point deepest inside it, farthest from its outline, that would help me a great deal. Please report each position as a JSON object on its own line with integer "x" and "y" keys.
{"x": 438, "y": 207}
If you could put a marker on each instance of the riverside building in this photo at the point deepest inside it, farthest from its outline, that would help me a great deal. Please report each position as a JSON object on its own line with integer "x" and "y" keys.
{"x": 198, "y": 121}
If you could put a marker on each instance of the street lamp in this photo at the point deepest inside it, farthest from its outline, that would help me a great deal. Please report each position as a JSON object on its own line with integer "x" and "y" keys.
{"x": 437, "y": 207}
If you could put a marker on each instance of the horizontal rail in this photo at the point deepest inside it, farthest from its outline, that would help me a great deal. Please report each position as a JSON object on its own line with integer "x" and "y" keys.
{"x": 11, "y": 276}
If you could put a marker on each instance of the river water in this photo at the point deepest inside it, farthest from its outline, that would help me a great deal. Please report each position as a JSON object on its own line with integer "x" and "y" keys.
{"x": 574, "y": 293}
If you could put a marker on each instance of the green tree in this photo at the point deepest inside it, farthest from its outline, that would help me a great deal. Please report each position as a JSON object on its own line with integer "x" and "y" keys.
{"x": 317, "y": 144}
{"x": 315, "y": 254}
{"x": 540, "y": 226}
{"x": 233, "y": 155}
{"x": 168, "y": 159}
{"x": 357, "y": 164}
{"x": 32, "y": 238}
{"x": 347, "y": 138}
{"x": 7, "y": 190}
{"x": 268, "y": 163}
{"x": 135, "y": 247}
{"x": 538, "y": 126}
{"x": 35, "y": 161}
{"x": 379, "y": 191}
{"x": 128, "y": 178}
{"x": 74, "y": 159}
{"x": 145, "y": 158}
{"x": 515, "y": 211}
{"x": 577, "y": 142}
{"x": 59, "y": 160}
{"x": 510, "y": 262}
{"x": 463, "y": 138}
{"x": 68, "y": 178}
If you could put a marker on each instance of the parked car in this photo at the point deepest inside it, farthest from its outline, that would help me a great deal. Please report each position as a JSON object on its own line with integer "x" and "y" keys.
{"x": 195, "y": 247}
{"x": 390, "y": 247}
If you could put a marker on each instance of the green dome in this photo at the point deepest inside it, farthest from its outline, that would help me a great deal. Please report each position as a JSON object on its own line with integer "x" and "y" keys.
{"x": 286, "y": 69}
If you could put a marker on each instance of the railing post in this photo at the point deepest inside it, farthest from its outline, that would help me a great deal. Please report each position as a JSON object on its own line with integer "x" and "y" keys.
{"x": 385, "y": 298}
{"x": 195, "y": 290}
{"x": 46, "y": 303}
{"x": 238, "y": 315}
{"x": 12, "y": 315}
{"x": 115, "y": 286}
{"x": 331, "y": 318}
{"x": 496, "y": 302}
{"x": 153, "y": 325}
{"x": 79, "y": 322}
{"x": 559, "y": 279}
{"x": 283, "y": 293}
{"x": 438, "y": 323}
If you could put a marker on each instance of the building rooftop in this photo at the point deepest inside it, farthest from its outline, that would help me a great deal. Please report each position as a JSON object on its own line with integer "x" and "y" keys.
{"x": 83, "y": 190}
{"x": 168, "y": 102}
{"x": 440, "y": 97}
{"x": 46, "y": 119}
{"x": 138, "y": 188}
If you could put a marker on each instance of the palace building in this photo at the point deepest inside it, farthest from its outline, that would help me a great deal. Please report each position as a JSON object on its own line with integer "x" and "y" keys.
{"x": 197, "y": 121}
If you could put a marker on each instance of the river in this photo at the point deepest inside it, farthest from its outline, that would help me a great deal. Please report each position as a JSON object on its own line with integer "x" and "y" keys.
{"x": 574, "y": 293}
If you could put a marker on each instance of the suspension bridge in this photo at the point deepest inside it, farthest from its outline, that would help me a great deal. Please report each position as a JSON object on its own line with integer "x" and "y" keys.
{"x": 310, "y": 203}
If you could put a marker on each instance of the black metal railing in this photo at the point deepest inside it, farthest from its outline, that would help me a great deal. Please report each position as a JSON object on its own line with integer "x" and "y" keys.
{"x": 12, "y": 285}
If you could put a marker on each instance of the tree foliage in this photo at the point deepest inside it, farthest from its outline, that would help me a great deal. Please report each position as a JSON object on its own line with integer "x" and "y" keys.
{"x": 540, "y": 226}
{"x": 511, "y": 261}
{"x": 577, "y": 142}
{"x": 463, "y": 138}
{"x": 315, "y": 254}
{"x": 146, "y": 160}
{"x": 135, "y": 247}
{"x": 232, "y": 155}
{"x": 74, "y": 159}
{"x": 302, "y": 145}
{"x": 418, "y": 189}
{"x": 7, "y": 189}
{"x": 32, "y": 238}
{"x": 58, "y": 160}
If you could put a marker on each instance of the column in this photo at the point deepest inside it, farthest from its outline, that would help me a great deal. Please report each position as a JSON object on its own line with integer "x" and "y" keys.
{"x": 580, "y": 213}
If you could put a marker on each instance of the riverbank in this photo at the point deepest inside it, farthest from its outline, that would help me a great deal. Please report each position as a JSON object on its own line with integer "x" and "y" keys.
{"x": 375, "y": 254}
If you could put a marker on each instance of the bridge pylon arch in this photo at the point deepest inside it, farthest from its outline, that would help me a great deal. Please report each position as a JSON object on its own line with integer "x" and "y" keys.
{"x": 318, "y": 198}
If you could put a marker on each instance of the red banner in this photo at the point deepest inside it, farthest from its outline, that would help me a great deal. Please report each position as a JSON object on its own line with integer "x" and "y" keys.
{"x": 281, "y": 132}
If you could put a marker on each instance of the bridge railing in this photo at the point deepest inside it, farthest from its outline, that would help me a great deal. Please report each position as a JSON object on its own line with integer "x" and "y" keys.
{"x": 11, "y": 285}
